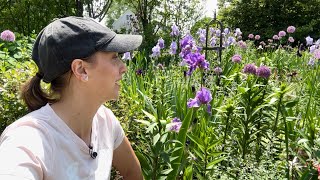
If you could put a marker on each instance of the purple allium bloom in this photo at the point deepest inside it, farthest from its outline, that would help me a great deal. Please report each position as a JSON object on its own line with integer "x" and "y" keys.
{"x": 173, "y": 47}
{"x": 236, "y": 58}
{"x": 126, "y": 56}
{"x": 262, "y": 43}
{"x": 175, "y": 30}
{"x": 238, "y": 32}
{"x": 250, "y": 69}
{"x": 257, "y": 37}
{"x": 311, "y": 62}
{"x": 242, "y": 44}
{"x": 213, "y": 41}
{"x": 250, "y": 36}
{"x": 139, "y": 72}
{"x": 290, "y": 39}
{"x": 291, "y": 29}
{"x": 8, "y": 35}
{"x": 275, "y": 37}
{"x": 226, "y": 31}
{"x": 316, "y": 54}
{"x": 203, "y": 96}
{"x": 161, "y": 43}
{"x": 156, "y": 51}
{"x": 217, "y": 70}
{"x": 175, "y": 125}
{"x": 282, "y": 34}
{"x": 309, "y": 40}
{"x": 263, "y": 71}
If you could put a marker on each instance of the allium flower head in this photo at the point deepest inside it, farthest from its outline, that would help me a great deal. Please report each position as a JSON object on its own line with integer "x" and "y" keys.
{"x": 275, "y": 37}
{"x": 250, "y": 69}
{"x": 173, "y": 48}
{"x": 156, "y": 51}
{"x": 250, "y": 36}
{"x": 264, "y": 72}
{"x": 8, "y": 35}
{"x": 282, "y": 34}
{"x": 257, "y": 37}
{"x": 126, "y": 56}
{"x": 242, "y": 44}
{"x": 203, "y": 96}
{"x": 217, "y": 70}
{"x": 236, "y": 58}
{"x": 175, "y": 30}
{"x": 291, "y": 29}
{"x": 161, "y": 43}
{"x": 316, "y": 54}
{"x": 309, "y": 40}
{"x": 262, "y": 43}
{"x": 290, "y": 39}
{"x": 175, "y": 125}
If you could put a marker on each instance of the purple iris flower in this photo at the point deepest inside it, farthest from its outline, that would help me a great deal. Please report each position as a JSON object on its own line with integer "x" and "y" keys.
{"x": 316, "y": 54}
{"x": 311, "y": 62}
{"x": 238, "y": 32}
{"x": 312, "y": 48}
{"x": 213, "y": 41}
{"x": 156, "y": 51}
{"x": 218, "y": 32}
{"x": 161, "y": 43}
{"x": 173, "y": 48}
{"x": 309, "y": 40}
{"x": 7, "y": 35}
{"x": 203, "y": 96}
{"x": 175, "y": 125}
{"x": 175, "y": 30}
{"x": 139, "y": 72}
{"x": 226, "y": 31}
{"x": 126, "y": 56}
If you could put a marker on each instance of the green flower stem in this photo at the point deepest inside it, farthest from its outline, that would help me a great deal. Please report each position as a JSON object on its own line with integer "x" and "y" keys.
{"x": 182, "y": 139}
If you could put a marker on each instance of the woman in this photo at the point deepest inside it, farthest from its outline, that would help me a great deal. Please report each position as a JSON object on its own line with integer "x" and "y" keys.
{"x": 70, "y": 134}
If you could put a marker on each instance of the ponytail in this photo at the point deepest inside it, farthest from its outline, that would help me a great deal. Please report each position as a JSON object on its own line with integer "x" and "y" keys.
{"x": 33, "y": 95}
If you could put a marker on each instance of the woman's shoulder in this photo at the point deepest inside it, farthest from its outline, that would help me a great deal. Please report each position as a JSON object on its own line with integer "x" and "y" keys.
{"x": 29, "y": 129}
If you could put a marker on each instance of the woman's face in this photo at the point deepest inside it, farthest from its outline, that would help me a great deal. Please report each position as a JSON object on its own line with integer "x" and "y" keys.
{"x": 105, "y": 75}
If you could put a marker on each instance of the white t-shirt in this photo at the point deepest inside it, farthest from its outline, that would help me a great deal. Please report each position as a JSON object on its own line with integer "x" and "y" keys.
{"x": 41, "y": 146}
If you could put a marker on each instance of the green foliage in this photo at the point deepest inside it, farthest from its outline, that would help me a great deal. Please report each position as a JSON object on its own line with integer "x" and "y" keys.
{"x": 267, "y": 17}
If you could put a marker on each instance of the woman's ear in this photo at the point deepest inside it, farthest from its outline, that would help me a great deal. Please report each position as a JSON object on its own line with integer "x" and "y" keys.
{"x": 78, "y": 68}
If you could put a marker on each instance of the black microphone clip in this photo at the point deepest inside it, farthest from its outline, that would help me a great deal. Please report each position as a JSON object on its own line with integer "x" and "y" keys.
{"x": 92, "y": 153}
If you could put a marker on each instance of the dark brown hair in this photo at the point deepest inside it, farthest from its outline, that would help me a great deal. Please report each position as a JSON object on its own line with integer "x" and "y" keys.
{"x": 35, "y": 96}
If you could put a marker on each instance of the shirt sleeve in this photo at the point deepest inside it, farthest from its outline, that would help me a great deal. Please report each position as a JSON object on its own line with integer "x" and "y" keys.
{"x": 21, "y": 151}
{"x": 117, "y": 131}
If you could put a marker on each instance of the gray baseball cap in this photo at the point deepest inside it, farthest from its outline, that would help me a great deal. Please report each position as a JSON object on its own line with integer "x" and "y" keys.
{"x": 66, "y": 39}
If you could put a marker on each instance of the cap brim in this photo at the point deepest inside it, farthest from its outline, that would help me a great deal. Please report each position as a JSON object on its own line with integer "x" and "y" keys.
{"x": 123, "y": 43}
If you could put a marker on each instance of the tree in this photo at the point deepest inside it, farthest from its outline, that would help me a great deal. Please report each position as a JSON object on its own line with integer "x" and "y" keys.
{"x": 30, "y": 16}
{"x": 268, "y": 17}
